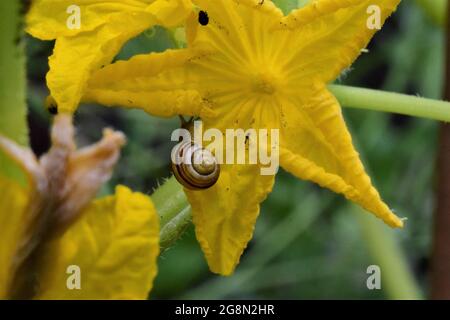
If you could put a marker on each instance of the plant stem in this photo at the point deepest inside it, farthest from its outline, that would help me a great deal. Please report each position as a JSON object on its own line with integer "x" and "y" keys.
{"x": 352, "y": 97}
{"x": 12, "y": 76}
{"x": 440, "y": 261}
{"x": 174, "y": 211}
{"x": 13, "y": 122}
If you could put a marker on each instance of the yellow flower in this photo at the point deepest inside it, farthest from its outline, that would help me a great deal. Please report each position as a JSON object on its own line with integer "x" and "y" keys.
{"x": 252, "y": 67}
{"x": 89, "y": 33}
{"x": 54, "y": 226}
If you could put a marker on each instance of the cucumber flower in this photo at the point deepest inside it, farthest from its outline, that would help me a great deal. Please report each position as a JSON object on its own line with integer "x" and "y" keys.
{"x": 248, "y": 66}
{"x": 60, "y": 243}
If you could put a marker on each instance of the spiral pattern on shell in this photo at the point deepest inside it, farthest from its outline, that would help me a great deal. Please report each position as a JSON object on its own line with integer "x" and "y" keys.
{"x": 194, "y": 167}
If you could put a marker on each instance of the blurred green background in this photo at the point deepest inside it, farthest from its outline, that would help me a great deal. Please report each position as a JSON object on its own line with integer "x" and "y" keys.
{"x": 308, "y": 243}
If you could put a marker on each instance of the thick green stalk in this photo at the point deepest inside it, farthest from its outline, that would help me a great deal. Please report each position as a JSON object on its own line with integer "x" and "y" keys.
{"x": 174, "y": 211}
{"x": 13, "y": 123}
{"x": 12, "y": 76}
{"x": 376, "y": 100}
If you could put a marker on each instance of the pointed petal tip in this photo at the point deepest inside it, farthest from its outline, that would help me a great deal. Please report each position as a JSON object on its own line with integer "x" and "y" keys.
{"x": 222, "y": 269}
{"x": 395, "y": 222}
{"x": 400, "y": 223}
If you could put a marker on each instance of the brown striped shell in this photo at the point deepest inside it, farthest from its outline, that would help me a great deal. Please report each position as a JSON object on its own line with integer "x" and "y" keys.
{"x": 194, "y": 167}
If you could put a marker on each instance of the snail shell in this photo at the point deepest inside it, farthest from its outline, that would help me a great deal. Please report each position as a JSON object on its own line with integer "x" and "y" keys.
{"x": 194, "y": 167}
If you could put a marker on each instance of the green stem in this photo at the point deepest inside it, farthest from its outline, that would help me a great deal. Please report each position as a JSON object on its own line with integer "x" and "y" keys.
{"x": 12, "y": 76}
{"x": 13, "y": 122}
{"x": 174, "y": 211}
{"x": 352, "y": 97}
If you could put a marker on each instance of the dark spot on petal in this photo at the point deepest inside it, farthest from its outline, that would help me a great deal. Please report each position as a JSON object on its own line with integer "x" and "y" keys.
{"x": 203, "y": 18}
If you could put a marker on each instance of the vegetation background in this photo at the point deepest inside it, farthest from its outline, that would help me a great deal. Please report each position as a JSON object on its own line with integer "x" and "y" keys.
{"x": 309, "y": 243}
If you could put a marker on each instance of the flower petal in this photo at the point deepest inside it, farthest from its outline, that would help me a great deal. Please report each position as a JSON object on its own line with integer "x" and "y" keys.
{"x": 157, "y": 83}
{"x": 115, "y": 244}
{"x": 104, "y": 28}
{"x": 75, "y": 58}
{"x": 12, "y": 215}
{"x": 316, "y": 146}
{"x": 239, "y": 28}
{"x": 48, "y": 19}
{"x": 225, "y": 215}
{"x": 87, "y": 170}
{"x": 328, "y": 35}
{"x": 170, "y": 13}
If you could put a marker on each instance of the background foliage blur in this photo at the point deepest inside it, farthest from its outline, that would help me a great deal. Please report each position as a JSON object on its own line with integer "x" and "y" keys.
{"x": 308, "y": 242}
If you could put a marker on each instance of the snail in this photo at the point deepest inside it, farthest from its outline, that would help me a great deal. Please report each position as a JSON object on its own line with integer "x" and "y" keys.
{"x": 194, "y": 167}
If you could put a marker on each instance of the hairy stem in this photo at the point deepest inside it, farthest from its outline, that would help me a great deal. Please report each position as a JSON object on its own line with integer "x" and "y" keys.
{"x": 174, "y": 211}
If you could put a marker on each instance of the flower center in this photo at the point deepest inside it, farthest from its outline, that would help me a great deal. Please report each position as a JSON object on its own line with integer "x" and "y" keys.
{"x": 265, "y": 83}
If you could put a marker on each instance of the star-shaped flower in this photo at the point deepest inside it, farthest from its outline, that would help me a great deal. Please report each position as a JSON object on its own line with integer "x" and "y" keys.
{"x": 89, "y": 34}
{"x": 55, "y": 224}
{"x": 248, "y": 66}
